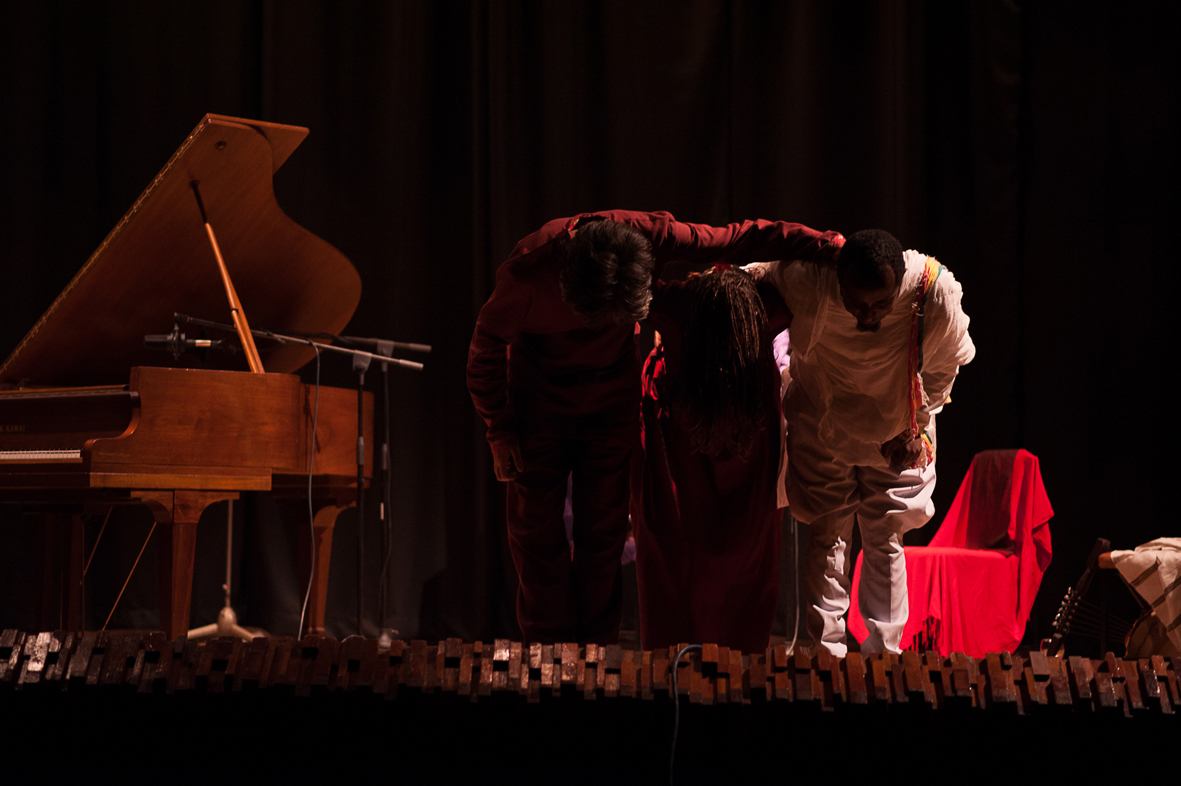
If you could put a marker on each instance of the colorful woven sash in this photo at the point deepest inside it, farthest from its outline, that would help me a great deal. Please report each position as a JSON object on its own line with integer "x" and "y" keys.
{"x": 931, "y": 272}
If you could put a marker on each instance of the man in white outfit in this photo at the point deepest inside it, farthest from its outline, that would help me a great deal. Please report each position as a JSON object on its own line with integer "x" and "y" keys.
{"x": 876, "y": 342}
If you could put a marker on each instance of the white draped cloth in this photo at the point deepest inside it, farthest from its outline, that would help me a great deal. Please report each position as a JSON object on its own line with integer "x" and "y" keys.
{"x": 1153, "y": 571}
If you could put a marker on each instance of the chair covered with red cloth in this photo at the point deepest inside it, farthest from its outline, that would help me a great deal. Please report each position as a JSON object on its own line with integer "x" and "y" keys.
{"x": 971, "y": 589}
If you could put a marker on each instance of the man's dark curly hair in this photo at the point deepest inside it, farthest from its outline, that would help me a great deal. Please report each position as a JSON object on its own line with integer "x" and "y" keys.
{"x": 607, "y": 277}
{"x": 727, "y": 365}
{"x": 866, "y": 257}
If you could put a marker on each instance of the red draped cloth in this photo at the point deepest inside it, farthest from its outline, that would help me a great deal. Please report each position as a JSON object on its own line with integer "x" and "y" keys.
{"x": 972, "y": 588}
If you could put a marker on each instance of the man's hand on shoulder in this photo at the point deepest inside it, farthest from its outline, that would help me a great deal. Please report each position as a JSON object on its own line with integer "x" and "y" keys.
{"x": 506, "y": 458}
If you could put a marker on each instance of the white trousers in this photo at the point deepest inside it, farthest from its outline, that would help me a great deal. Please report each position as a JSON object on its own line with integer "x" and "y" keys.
{"x": 829, "y": 496}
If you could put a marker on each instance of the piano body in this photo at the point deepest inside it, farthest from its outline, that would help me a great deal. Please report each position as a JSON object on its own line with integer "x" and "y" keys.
{"x": 89, "y": 418}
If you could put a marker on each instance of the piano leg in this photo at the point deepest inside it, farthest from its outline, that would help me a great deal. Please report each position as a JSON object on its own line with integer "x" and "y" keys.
{"x": 178, "y": 513}
{"x": 323, "y": 524}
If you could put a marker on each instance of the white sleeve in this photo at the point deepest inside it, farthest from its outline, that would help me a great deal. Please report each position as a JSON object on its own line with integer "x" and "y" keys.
{"x": 946, "y": 344}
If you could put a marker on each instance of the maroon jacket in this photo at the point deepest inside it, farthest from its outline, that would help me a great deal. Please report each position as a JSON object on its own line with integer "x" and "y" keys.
{"x": 533, "y": 362}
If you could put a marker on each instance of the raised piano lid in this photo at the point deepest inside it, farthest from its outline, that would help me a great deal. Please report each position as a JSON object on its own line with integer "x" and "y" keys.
{"x": 157, "y": 261}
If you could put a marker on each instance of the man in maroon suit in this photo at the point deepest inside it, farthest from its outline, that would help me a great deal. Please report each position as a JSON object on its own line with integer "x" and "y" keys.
{"x": 554, "y": 372}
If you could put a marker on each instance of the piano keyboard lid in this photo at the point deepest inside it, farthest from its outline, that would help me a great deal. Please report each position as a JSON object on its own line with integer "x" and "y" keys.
{"x": 158, "y": 261}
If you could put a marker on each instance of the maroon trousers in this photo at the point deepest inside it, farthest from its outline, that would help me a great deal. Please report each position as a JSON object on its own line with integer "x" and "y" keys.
{"x": 566, "y": 596}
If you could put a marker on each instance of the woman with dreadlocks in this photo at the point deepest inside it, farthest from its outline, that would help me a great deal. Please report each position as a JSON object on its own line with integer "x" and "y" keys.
{"x": 704, "y": 503}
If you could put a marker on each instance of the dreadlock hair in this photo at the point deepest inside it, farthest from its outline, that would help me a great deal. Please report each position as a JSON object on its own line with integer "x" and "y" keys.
{"x": 867, "y": 255}
{"x": 607, "y": 276}
{"x": 727, "y": 366}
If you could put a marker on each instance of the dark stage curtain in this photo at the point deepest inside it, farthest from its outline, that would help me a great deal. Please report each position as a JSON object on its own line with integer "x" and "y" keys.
{"x": 1030, "y": 146}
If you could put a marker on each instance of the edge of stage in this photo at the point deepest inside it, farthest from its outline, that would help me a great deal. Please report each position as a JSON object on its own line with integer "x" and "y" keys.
{"x": 508, "y": 712}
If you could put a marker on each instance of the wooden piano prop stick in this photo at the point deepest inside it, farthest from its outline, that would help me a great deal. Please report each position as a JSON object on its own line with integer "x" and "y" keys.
{"x": 240, "y": 323}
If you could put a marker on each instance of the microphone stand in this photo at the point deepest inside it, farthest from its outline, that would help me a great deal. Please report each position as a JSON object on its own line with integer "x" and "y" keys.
{"x": 361, "y": 360}
{"x": 283, "y": 339}
{"x": 227, "y": 620}
{"x": 360, "y": 365}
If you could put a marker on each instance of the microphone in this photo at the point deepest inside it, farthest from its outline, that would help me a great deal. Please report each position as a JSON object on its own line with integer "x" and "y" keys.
{"x": 176, "y": 343}
{"x": 383, "y": 347}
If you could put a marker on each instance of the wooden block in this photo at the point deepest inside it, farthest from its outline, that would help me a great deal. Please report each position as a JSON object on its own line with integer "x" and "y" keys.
{"x": 221, "y": 652}
{"x": 1166, "y": 676}
{"x": 59, "y": 660}
{"x": 879, "y": 679}
{"x": 359, "y": 662}
{"x": 1150, "y": 687}
{"x": 1039, "y": 664}
{"x": 397, "y": 668}
{"x": 783, "y": 687}
{"x": 304, "y": 655}
{"x": 416, "y": 674}
{"x": 549, "y": 680}
{"x": 237, "y": 650}
{"x": 997, "y": 682}
{"x": 184, "y": 669}
{"x": 721, "y": 676}
{"x": 569, "y": 660}
{"x": 802, "y": 682}
{"x": 98, "y": 653}
{"x": 35, "y": 657}
{"x": 324, "y": 666}
{"x": 938, "y": 674}
{"x": 281, "y": 655}
{"x": 896, "y": 673}
{"x": 1036, "y": 690}
{"x": 1105, "y": 690}
{"x": 701, "y": 689}
{"x": 1059, "y": 691}
{"x": 1079, "y": 671}
{"x": 79, "y": 660}
{"x": 854, "y": 666}
{"x": 432, "y": 678}
{"x": 779, "y": 657}
{"x": 710, "y": 654}
{"x": 120, "y": 660}
{"x": 628, "y": 672}
{"x": 501, "y": 649}
{"x": 912, "y": 675}
{"x": 755, "y": 685}
{"x": 250, "y": 665}
{"x": 737, "y": 672}
{"x": 291, "y": 665}
{"x": 500, "y": 663}
{"x": 532, "y": 672}
{"x": 518, "y": 669}
{"x": 961, "y": 678}
{"x": 463, "y": 684}
{"x": 11, "y": 643}
{"x": 1129, "y": 678}
{"x": 684, "y": 670}
{"x": 647, "y": 672}
{"x": 487, "y": 668}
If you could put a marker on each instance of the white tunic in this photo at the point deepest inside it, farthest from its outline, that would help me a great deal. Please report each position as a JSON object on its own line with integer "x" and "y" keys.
{"x": 855, "y": 383}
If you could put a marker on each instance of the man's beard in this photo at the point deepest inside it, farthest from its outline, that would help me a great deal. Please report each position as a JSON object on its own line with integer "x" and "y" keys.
{"x": 868, "y": 328}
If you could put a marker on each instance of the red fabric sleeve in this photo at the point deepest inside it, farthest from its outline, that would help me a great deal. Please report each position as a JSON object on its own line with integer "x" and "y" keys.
{"x": 487, "y": 359}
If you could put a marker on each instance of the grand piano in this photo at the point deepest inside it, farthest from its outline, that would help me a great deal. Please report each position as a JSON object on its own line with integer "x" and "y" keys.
{"x": 90, "y": 418}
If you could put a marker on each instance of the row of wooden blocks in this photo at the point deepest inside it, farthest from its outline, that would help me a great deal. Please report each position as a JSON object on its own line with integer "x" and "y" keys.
{"x": 148, "y": 662}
